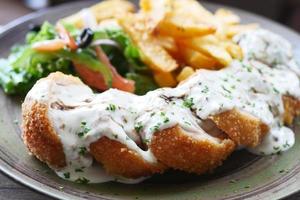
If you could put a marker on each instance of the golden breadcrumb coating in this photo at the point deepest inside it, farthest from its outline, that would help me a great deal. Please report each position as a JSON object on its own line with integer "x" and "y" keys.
{"x": 179, "y": 150}
{"x": 40, "y": 137}
{"x": 242, "y": 128}
{"x": 118, "y": 159}
{"x": 292, "y": 109}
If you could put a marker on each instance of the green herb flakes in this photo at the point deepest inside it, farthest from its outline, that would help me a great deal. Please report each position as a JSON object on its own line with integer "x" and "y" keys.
{"x": 82, "y": 151}
{"x": 84, "y": 129}
{"x": 111, "y": 107}
{"x": 138, "y": 127}
{"x": 188, "y": 103}
{"x": 82, "y": 180}
{"x": 67, "y": 175}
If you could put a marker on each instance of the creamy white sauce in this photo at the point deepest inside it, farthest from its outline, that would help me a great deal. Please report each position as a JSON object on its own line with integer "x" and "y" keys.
{"x": 254, "y": 86}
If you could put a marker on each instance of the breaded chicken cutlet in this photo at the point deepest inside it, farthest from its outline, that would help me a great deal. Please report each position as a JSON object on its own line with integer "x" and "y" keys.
{"x": 174, "y": 147}
{"x": 43, "y": 141}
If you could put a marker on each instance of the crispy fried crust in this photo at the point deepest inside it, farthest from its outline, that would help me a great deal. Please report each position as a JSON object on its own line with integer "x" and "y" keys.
{"x": 292, "y": 109}
{"x": 118, "y": 159}
{"x": 39, "y": 135}
{"x": 249, "y": 131}
{"x": 242, "y": 128}
{"x": 178, "y": 150}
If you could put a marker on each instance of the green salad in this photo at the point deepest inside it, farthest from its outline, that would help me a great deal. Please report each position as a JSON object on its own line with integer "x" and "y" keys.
{"x": 26, "y": 63}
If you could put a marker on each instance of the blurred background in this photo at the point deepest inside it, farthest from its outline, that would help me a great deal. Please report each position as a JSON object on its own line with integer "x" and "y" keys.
{"x": 284, "y": 11}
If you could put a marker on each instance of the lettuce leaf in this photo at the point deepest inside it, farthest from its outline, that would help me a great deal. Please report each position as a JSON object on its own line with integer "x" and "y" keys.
{"x": 20, "y": 71}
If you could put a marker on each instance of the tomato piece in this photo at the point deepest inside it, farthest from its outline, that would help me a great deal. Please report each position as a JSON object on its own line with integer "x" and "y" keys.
{"x": 90, "y": 77}
{"x": 65, "y": 36}
{"x": 118, "y": 81}
{"x": 96, "y": 80}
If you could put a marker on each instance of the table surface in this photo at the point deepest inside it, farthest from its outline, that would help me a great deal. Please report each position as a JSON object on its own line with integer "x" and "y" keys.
{"x": 10, "y": 189}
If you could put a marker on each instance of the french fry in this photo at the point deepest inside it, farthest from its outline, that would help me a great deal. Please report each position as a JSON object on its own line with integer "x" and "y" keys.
{"x": 198, "y": 60}
{"x": 101, "y": 11}
{"x": 194, "y": 9}
{"x": 154, "y": 55}
{"x": 186, "y": 20}
{"x": 233, "y": 49}
{"x": 227, "y": 16}
{"x": 165, "y": 79}
{"x": 155, "y": 10}
{"x": 209, "y": 45}
{"x": 185, "y": 73}
{"x": 217, "y": 52}
{"x": 182, "y": 26}
{"x": 237, "y": 29}
{"x": 167, "y": 43}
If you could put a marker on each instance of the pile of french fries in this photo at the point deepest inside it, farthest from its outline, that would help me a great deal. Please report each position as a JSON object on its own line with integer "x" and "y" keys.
{"x": 176, "y": 37}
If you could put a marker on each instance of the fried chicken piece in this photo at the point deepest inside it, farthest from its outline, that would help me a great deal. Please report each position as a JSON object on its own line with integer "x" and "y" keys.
{"x": 173, "y": 147}
{"x": 42, "y": 140}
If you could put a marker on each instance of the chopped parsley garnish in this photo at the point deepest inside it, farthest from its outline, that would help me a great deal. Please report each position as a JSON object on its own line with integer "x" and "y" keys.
{"x": 67, "y": 175}
{"x": 84, "y": 129}
{"x": 275, "y": 90}
{"x": 270, "y": 108}
{"x": 82, "y": 151}
{"x": 152, "y": 114}
{"x": 82, "y": 180}
{"x": 146, "y": 141}
{"x": 111, "y": 107}
{"x": 276, "y": 148}
{"x": 286, "y": 145}
{"x": 115, "y": 136}
{"x": 156, "y": 127}
{"x": 249, "y": 68}
{"x": 188, "y": 123}
{"x": 228, "y": 96}
{"x": 138, "y": 127}
{"x": 281, "y": 171}
{"x": 166, "y": 120}
{"x": 223, "y": 87}
{"x": 79, "y": 169}
{"x": 205, "y": 90}
{"x": 188, "y": 103}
